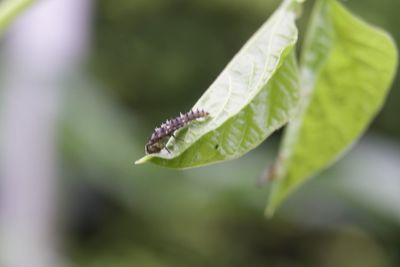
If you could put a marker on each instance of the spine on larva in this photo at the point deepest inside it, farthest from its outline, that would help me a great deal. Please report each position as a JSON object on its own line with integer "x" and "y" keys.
{"x": 184, "y": 119}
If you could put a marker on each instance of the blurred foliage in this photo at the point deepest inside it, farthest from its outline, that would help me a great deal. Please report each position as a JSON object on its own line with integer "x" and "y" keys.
{"x": 9, "y": 10}
{"x": 151, "y": 59}
{"x": 159, "y": 56}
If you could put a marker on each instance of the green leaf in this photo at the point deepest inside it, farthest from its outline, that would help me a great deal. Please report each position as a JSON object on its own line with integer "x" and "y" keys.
{"x": 347, "y": 67}
{"x": 253, "y": 96}
{"x": 9, "y": 9}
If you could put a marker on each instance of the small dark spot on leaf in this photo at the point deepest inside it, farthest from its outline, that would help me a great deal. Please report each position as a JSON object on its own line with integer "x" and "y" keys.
{"x": 216, "y": 146}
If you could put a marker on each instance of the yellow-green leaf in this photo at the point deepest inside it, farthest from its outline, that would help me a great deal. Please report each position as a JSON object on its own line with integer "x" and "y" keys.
{"x": 347, "y": 68}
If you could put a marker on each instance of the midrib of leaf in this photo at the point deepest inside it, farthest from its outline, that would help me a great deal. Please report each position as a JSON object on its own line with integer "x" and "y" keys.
{"x": 308, "y": 77}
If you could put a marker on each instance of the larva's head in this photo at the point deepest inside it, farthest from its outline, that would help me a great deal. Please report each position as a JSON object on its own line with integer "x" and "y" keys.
{"x": 152, "y": 148}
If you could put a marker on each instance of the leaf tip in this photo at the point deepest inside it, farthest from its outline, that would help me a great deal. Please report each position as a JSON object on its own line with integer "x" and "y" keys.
{"x": 142, "y": 160}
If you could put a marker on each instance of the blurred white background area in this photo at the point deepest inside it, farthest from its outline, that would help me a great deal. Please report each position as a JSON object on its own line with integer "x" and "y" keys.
{"x": 39, "y": 51}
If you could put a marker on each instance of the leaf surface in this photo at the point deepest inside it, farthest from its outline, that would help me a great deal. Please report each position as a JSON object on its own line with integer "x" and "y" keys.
{"x": 252, "y": 97}
{"x": 346, "y": 69}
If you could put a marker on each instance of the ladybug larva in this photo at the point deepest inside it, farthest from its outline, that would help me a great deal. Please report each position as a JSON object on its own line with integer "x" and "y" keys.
{"x": 161, "y": 134}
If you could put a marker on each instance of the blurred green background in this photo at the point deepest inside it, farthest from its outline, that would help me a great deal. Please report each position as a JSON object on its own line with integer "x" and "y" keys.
{"x": 151, "y": 59}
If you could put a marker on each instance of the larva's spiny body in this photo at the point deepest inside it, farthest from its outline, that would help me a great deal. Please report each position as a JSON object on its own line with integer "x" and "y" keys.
{"x": 157, "y": 140}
